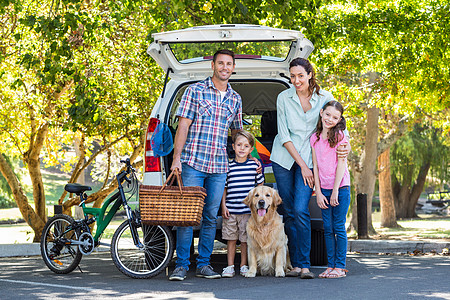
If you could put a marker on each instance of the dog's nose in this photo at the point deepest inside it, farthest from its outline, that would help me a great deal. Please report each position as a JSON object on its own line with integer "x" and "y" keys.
{"x": 261, "y": 203}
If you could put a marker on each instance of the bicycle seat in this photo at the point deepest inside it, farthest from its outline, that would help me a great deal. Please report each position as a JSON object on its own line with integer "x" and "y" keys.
{"x": 76, "y": 188}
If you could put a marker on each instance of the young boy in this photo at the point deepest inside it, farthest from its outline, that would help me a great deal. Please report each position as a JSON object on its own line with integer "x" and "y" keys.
{"x": 241, "y": 178}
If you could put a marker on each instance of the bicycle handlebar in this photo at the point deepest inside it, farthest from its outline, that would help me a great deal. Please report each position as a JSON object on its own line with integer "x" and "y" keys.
{"x": 129, "y": 169}
{"x": 128, "y": 165}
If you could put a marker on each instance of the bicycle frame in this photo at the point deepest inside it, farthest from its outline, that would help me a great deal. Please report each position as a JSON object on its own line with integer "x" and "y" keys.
{"x": 103, "y": 220}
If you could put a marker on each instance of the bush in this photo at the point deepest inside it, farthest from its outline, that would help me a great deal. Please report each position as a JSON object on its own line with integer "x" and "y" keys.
{"x": 6, "y": 202}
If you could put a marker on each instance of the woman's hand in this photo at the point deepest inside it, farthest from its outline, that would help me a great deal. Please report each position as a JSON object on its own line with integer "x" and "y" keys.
{"x": 308, "y": 177}
{"x": 343, "y": 150}
{"x": 322, "y": 201}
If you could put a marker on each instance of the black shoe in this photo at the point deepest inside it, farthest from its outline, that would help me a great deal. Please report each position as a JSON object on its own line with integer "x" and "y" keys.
{"x": 207, "y": 272}
{"x": 178, "y": 274}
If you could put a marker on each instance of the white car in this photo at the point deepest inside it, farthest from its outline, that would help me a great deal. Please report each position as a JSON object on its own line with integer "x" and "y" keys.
{"x": 262, "y": 57}
{"x": 262, "y": 68}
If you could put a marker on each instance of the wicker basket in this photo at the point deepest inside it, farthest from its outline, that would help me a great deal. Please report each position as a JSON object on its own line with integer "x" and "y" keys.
{"x": 171, "y": 205}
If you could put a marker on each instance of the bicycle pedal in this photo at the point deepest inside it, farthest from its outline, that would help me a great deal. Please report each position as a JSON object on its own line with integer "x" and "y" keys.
{"x": 58, "y": 262}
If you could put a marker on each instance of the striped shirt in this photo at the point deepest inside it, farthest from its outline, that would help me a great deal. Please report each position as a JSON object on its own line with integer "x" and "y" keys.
{"x": 241, "y": 178}
{"x": 206, "y": 143}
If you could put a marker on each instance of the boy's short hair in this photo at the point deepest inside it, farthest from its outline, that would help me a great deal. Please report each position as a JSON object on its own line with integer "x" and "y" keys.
{"x": 250, "y": 138}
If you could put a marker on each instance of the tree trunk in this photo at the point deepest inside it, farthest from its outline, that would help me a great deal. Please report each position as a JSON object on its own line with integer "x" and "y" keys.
{"x": 32, "y": 160}
{"x": 403, "y": 196}
{"x": 32, "y": 219}
{"x": 81, "y": 153}
{"x": 368, "y": 177}
{"x": 388, "y": 216}
{"x": 80, "y": 167}
{"x": 406, "y": 197}
{"x": 365, "y": 182}
{"x": 417, "y": 189}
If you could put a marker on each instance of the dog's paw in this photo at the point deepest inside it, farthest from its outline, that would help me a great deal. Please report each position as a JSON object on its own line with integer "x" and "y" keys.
{"x": 279, "y": 273}
{"x": 250, "y": 274}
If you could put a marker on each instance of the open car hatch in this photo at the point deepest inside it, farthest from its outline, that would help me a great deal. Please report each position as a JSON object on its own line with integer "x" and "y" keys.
{"x": 260, "y": 51}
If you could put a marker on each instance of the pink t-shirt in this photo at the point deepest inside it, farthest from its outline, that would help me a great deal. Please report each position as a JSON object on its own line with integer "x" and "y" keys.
{"x": 327, "y": 161}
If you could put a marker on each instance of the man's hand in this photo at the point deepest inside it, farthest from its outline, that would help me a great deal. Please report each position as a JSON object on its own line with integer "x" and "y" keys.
{"x": 176, "y": 164}
{"x": 259, "y": 168}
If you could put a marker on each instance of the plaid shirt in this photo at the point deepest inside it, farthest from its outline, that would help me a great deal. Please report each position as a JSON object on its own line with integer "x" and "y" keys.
{"x": 206, "y": 143}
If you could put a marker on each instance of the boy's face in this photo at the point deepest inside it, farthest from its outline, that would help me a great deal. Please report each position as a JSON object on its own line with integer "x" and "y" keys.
{"x": 242, "y": 148}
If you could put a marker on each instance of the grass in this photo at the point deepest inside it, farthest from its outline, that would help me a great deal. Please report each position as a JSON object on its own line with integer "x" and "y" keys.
{"x": 425, "y": 227}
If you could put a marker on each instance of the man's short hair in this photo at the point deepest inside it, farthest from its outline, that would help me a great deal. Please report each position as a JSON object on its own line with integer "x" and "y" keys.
{"x": 226, "y": 52}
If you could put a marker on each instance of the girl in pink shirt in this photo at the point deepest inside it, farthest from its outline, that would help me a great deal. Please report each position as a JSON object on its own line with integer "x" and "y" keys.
{"x": 332, "y": 185}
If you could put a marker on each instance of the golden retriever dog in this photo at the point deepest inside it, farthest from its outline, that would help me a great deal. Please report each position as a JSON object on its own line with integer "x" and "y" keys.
{"x": 267, "y": 242}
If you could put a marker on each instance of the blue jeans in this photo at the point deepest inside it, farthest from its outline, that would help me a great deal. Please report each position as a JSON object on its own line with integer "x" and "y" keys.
{"x": 297, "y": 222}
{"x": 214, "y": 185}
{"x": 334, "y": 228}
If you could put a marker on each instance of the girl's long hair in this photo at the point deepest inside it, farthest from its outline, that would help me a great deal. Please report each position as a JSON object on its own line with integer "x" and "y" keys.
{"x": 333, "y": 136}
{"x": 313, "y": 85}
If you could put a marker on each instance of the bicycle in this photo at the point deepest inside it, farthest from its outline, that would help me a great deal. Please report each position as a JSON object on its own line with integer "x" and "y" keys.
{"x": 137, "y": 250}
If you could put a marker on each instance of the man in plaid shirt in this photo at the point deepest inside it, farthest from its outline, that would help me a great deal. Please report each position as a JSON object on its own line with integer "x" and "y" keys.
{"x": 207, "y": 109}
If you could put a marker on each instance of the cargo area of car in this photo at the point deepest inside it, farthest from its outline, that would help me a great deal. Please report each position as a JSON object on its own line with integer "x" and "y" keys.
{"x": 258, "y": 108}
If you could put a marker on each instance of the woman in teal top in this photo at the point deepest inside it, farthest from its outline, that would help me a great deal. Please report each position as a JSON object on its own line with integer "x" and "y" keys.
{"x": 297, "y": 114}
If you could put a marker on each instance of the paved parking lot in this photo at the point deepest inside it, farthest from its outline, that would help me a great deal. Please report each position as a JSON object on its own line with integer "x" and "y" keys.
{"x": 370, "y": 277}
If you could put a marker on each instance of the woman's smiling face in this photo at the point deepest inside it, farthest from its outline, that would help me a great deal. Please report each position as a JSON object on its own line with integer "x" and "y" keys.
{"x": 300, "y": 78}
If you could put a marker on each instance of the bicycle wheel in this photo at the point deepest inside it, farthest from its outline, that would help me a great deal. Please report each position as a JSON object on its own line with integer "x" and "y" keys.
{"x": 147, "y": 262}
{"x": 58, "y": 253}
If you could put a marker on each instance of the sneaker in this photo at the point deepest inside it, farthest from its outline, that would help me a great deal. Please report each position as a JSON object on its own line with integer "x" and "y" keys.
{"x": 243, "y": 270}
{"x": 207, "y": 272}
{"x": 228, "y": 272}
{"x": 178, "y": 274}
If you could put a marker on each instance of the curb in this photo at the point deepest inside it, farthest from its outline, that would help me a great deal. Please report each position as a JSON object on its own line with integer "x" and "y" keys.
{"x": 360, "y": 246}
{"x": 395, "y": 246}
{"x": 11, "y": 250}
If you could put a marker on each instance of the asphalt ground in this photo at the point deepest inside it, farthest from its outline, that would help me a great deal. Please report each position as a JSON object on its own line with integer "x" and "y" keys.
{"x": 369, "y": 277}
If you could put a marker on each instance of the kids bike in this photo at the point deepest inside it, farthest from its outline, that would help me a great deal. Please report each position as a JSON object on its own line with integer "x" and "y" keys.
{"x": 137, "y": 250}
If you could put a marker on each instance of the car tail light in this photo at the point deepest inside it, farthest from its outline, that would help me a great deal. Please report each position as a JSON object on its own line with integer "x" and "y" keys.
{"x": 152, "y": 163}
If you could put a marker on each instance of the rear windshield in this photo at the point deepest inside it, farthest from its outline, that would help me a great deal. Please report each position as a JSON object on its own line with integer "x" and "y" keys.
{"x": 194, "y": 52}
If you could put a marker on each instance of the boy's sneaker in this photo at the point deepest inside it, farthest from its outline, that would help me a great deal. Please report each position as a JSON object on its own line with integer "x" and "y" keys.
{"x": 178, "y": 274}
{"x": 207, "y": 272}
{"x": 243, "y": 270}
{"x": 228, "y": 272}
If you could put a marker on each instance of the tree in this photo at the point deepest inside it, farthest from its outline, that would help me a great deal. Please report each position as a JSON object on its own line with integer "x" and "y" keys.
{"x": 398, "y": 42}
{"x": 412, "y": 157}
{"x": 76, "y": 55}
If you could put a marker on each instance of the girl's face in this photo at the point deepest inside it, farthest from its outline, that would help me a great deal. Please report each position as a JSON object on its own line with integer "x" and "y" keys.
{"x": 330, "y": 117}
{"x": 242, "y": 148}
{"x": 300, "y": 78}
